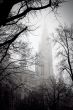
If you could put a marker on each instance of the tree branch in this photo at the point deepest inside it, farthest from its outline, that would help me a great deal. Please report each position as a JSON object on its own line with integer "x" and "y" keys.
{"x": 25, "y": 12}
{"x": 14, "y": 38}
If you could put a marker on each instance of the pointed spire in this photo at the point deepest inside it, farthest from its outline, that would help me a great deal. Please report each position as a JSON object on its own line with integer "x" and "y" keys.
{"x": 46, "y": 68}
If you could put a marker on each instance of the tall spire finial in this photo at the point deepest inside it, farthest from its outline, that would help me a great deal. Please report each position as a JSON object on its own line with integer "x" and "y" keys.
{"x": 45, "y": 56}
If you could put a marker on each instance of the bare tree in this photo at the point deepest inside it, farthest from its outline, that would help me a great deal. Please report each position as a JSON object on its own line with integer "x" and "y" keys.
{"x": 12, "y": 12}
{"x": 13, "y": 15}
{"x": 58, "y": 94}
{"x": 65, "y": 51}
{"x": 52, "y": 95}
{"x": 26, "y": 5}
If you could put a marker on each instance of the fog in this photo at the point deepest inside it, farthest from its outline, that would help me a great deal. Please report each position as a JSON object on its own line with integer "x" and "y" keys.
{"x": 36, "y": 55}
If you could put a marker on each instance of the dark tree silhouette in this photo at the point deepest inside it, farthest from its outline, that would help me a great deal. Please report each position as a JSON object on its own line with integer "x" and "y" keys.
{"x": 21, "y": 11}
{"x": 6, "y": 6}
{"x": 50, "y": 95}
{"x": 11, "y": 27}
{"x": 65, "y": 42}
{"x": 13, "y": 12}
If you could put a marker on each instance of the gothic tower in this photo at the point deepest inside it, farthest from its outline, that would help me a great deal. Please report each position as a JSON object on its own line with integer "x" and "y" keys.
{"x": 45, "y": 67}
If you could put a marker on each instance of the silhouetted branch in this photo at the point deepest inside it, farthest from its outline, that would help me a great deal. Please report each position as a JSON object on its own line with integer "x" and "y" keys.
{"x": 64, "y": 39}
{"x": 14, "y": 37}
{"x": 52, "y": 4}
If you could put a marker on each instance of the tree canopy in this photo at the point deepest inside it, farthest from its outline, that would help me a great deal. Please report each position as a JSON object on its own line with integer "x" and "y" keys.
{"x": 23, "y": 7}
